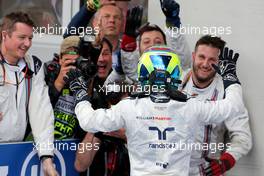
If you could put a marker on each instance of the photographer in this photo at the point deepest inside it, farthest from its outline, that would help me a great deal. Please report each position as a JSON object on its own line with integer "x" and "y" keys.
{"x": 61, "y": 97}
{"x": 75, "y": 53}
{"x": 62, "y": 101}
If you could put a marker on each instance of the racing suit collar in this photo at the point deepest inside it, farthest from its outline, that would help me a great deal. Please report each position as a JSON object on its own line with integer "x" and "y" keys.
{"x": 159, "y": 97}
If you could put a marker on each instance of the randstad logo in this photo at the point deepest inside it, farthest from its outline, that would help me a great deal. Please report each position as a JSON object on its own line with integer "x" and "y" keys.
{"x": 32, "y": 166}
{"x": 162, "y": 134}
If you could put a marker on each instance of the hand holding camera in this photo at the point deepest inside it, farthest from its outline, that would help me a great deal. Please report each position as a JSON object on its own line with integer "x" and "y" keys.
{"x": 89, "y": 51}
{"x": 67, "y": 62}
{"x": 84, "y": 57}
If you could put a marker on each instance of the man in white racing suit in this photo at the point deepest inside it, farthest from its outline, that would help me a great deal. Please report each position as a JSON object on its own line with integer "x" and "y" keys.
{"x": 24, "y": 96}
{"x": 160, "y": 128}
{"x": 204, "y": 83}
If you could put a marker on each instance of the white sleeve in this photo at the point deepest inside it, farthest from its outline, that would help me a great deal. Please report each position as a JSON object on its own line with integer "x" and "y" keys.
{"x": 129, "y": 62}
{"x": 114, "y": 77}
{"x": 209, "y": 112}
{"x": 179, "y": 43}
{"x": 41, "y": 115}
{"x": 239, "y": 134}
{"x": 104, "y": 120}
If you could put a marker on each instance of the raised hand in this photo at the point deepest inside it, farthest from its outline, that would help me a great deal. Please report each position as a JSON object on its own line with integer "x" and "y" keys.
{"x": 133, "y": 21}
{"x": 227, "y": 67}
{"x": 171, "y": 10}
{"x": 93, "y": 5}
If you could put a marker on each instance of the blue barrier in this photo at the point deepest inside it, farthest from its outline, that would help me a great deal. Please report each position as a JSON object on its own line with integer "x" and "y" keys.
{"x": 21, "y": 159}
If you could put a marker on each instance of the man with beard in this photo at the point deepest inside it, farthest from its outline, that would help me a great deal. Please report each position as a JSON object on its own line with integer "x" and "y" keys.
{"x": 159, "y": 121}
{"x": 204, "y": 83}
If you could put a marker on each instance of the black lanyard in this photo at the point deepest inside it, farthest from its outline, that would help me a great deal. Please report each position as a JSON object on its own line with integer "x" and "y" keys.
{"x": 28, "y": 73}
{"x": 2, "y": 60}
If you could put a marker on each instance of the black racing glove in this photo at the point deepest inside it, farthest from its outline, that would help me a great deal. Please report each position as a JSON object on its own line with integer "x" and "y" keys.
{"x": 78, "y": 85}
{"x": 218, "y": 167}
{"x": 227, "y": 67}
{"x": 133, "y": 22}
{"x": 171, "y": 10}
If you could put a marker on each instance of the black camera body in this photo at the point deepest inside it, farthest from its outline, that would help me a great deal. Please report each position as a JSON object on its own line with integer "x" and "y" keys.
{"x": 89, "y": 53}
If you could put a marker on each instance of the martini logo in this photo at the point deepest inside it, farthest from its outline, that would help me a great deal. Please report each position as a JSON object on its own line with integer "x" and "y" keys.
{"x": 32, "y": 166}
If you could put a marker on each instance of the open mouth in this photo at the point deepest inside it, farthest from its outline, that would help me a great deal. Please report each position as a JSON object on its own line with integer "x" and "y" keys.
{"x": 101, "y": 67}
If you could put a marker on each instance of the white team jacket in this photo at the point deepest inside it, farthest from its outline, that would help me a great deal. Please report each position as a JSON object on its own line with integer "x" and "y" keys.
{"x": 13, "y": 106}
{"x": 238, "y": 129}
{"x": 160, "y": 135}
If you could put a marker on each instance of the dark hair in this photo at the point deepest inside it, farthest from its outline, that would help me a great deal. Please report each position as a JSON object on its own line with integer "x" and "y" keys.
{"x": 9, "y": 21}
{"x": 212, "y": 41}
{"x": 108, "y": 43}
{"x": 147, "y": 27}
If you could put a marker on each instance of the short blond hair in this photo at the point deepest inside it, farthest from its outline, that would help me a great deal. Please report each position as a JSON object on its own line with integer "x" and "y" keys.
{"x": 109, "y": 3}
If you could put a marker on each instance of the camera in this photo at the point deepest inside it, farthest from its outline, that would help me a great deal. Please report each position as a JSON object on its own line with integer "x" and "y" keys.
{"x": 89, "y": 52}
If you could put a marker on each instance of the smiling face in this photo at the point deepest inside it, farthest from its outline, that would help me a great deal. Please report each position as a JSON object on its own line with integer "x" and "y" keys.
{"x": 17, "y": 42}
{"x": 104, "y": 63}
{"x": 150, "y": 38}
{"x": 203, "y": 58}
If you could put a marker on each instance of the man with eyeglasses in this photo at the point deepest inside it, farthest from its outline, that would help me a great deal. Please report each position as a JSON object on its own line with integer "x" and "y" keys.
{"x": 24, "y": 100}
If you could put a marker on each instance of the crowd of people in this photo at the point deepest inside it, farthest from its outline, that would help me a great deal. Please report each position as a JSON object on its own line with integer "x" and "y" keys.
{"x": 188, "y": 98}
